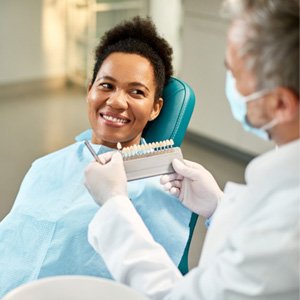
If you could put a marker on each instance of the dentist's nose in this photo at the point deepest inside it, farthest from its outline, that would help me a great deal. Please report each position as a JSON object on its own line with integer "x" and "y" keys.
{"x": 117, "y": 100}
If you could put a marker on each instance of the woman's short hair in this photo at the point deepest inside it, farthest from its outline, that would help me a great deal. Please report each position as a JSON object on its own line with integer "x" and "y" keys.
{"x": 138, "y": 36}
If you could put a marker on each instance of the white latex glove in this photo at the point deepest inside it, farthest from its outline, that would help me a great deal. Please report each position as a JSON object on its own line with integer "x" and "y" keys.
{"x": 107, "y": 180}
{"x": 194, "y": 186}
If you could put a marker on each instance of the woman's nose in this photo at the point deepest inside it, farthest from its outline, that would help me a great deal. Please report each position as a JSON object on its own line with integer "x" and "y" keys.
{"x": 117, "y": 100}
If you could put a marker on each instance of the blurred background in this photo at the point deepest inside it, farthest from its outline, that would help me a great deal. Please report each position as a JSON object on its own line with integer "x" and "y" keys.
{"x": 46, "y": 59}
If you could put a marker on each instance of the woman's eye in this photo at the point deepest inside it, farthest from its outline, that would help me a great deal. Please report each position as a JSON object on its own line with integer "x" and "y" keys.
{"x": 138, "y": 92}
{"x": 105, "y": 85}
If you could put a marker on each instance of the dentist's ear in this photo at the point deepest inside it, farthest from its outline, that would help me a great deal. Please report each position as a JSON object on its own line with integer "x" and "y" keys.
{"x": 287, "y": 109}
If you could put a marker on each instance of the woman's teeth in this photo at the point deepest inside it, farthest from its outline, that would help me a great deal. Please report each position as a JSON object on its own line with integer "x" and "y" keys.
{"x": 113, "y": 119}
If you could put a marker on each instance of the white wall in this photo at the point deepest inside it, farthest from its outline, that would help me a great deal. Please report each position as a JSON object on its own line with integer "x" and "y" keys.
{"x": 29, "y": 47}
{"x": 204, "y": 41}
{"x": 168, "y": 20}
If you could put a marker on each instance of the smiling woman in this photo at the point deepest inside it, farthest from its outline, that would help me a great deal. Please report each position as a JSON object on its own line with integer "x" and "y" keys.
{"x": 122, "y": 99}
{"x": 132, "y": 66}
{"x": 45, "y": 234}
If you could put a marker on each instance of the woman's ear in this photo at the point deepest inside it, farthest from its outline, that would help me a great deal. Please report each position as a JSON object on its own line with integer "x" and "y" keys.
{"x": 157, "y": 106}
{"x": 88, "y": 90}
{"x": 89, "y": 86}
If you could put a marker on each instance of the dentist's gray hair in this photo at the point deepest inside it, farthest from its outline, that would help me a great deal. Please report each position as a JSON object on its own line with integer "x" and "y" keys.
{"x": 268, "y": 31}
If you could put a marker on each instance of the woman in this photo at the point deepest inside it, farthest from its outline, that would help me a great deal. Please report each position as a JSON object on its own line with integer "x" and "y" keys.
{"x": 45, "y": 234}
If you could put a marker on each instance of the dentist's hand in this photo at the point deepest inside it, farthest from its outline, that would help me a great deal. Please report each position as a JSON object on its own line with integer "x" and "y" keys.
{"x": 194, "y": 186}
{"x": 106, "y": 180}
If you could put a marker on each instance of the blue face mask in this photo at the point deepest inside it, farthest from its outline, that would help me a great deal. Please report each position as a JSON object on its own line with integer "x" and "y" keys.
{"x": 238, "y": 105}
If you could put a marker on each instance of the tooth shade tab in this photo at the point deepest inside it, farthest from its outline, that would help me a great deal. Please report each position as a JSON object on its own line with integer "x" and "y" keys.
{"x": 143, "y": 150}
{"x": 119, "y": 146}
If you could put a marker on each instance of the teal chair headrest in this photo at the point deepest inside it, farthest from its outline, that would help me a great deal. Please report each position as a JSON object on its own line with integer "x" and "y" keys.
{"x": 173, "y": 120}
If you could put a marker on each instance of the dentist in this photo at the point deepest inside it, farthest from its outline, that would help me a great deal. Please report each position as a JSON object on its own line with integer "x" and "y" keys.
{"x": 252, "y": 245}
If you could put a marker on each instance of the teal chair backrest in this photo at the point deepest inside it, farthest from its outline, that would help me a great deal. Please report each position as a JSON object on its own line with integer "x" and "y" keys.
{"x": 172, "y": 123}
{"x": 173, "y": 120}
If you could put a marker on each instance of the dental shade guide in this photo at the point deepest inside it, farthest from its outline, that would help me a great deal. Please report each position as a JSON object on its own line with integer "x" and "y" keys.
{"x": 153, "y": 159}
{"x": 147, "y": 160}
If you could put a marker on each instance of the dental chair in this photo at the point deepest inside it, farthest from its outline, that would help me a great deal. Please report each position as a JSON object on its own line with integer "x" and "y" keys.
{"x": 172, "y": 123}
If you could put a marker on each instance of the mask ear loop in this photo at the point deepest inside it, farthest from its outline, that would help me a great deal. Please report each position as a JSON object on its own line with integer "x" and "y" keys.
{"x": 270, "y": 125}
{"x": 256, "y": 95}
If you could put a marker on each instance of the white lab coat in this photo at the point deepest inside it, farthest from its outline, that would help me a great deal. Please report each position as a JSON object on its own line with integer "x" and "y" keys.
{"x": 251, "y": 250}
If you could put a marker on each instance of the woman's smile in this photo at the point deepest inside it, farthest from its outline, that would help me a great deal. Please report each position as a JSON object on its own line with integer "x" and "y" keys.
{"x": 113, "y": 120}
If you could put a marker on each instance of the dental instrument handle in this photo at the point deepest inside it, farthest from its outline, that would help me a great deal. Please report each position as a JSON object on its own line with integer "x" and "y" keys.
{"x": 92, "y": 151}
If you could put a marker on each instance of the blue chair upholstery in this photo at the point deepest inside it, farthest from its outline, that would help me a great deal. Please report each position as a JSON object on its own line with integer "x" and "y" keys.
{"x": 173, "y": 120}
